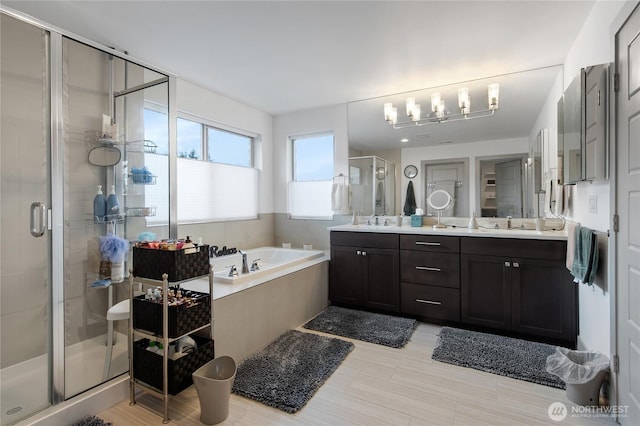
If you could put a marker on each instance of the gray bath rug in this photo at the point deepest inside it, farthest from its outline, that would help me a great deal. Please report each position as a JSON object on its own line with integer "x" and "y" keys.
{"x": 91, "y": 421}
{"x": 382, "y": 329}
{"x": 287, "y": 372}
{"x": 506, "y": 356}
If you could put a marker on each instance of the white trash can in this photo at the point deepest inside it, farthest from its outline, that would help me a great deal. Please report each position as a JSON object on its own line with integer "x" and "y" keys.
{"x": 582, "y": 371}
{"x": 213, "y": 382}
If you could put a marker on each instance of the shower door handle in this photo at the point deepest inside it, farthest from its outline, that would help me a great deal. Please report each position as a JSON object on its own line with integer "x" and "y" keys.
{"x": 38, "y": 219}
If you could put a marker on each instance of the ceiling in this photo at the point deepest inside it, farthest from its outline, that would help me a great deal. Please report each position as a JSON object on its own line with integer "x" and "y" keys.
{"x": 294, "y": 55}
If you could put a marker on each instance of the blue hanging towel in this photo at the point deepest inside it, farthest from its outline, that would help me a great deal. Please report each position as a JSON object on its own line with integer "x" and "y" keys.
{"x": 585, "y": 259}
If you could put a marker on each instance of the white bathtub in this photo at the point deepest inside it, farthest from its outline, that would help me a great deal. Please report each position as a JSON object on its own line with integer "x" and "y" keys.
{"x": 270, "y": 260}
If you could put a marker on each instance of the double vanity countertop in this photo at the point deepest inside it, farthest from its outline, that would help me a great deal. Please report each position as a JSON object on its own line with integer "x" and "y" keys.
{"x": 457, "y": 231}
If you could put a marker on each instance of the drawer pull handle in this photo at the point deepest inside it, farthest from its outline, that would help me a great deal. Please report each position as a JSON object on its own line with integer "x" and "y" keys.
{"x": 507, "y": 264}
{"x": 516, "y": 265}
{"x": 428, "y": 302}
{"x": 425, "y": 243}
{"x": 428, "y": 268}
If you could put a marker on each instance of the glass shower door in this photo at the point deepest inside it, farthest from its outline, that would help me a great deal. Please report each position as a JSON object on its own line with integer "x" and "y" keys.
{"x": 25, "y": 282}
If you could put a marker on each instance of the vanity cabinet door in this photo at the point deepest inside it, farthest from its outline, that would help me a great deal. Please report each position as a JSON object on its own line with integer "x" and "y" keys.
{"x": 382, "y": 278}
{"x": 543, "y": 299}
{"x": 346, "y": 277}
{"x": 365, "y": 270}
{"x": 485, "y": 291}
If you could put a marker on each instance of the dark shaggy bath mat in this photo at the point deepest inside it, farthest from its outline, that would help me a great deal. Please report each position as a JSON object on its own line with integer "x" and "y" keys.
{"x": 382, "y": 329}
{"x": 91, "y": 421}
{"x": 287, "y": 372}
{"x": 506, "y": 356}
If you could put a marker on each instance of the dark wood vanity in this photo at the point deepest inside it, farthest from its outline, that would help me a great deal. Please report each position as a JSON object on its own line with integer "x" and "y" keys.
{"x": 511, "y": 285}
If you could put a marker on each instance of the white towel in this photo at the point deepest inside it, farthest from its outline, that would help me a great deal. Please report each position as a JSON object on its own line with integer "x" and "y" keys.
{"x": 571, "y": 242}
{"x": 450, "y": 187}
{"x": 339, "y": 198}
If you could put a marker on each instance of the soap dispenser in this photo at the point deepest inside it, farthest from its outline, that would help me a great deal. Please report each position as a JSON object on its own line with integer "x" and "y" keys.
{"x": 473, "y": 223}
{"x": 113, "y": 205}
{"x": 99, "y": 205}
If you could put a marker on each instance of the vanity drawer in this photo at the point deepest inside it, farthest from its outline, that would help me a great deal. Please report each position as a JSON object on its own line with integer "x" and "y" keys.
{"x": 430, "y": 302}
{"x": 439, "y": 269}
{"x": 430, "y": 243}
{"x": 364, "y": 239}
{"x": 514, "y": 247}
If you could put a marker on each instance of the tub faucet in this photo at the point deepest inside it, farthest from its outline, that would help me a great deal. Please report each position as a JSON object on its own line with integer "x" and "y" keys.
{"x": 245, "y": 267}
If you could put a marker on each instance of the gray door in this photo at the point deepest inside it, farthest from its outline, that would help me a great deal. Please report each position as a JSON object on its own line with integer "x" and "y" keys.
{"x": 628, "y": 204}
{"x": 509, "y": 188}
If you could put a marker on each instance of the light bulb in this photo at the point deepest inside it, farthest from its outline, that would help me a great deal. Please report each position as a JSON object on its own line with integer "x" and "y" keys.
{"x": 388, "y": 107}
{"x": 435, "y": 101}
{"x": 410, "y": 103}
{"x": 494, "y": 95}
{"x": 464, "y": 102}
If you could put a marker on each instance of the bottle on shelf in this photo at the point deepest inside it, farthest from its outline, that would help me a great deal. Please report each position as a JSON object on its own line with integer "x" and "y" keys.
{"x": 99, "y": 205}
{"x": 113, "y": 205}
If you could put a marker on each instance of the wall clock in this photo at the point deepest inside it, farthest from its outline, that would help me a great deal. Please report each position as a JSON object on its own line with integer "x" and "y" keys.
{"x": 411, "y": 171}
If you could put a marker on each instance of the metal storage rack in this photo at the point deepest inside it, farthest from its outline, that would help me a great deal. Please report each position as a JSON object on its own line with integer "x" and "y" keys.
{"x": 164, "y": 338}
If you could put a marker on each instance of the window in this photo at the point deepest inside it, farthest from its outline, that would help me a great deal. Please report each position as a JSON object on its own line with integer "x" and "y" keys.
{"x": 207, "y": 187}
{"x": 189, "y": 135}
{"x": 312, "y": 177}
{"x": 229, "y": 148}
{"x": 313, "y": 158}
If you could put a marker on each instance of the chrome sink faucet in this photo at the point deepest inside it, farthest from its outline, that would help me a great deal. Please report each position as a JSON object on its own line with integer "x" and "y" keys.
{"x": 509, "y": 222}
{"x": 245, "y": 266}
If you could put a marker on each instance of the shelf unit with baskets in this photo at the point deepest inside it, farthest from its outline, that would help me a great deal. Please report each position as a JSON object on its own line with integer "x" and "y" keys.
{"x": 157, "y": 372}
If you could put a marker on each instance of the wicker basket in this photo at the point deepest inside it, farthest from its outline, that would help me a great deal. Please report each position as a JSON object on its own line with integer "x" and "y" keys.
{"x": 152, "y": 263}
{"x": 147, "y": 365}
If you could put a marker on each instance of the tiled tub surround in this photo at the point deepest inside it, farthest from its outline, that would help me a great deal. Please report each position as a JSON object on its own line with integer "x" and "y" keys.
{"x": 250, "y": 314}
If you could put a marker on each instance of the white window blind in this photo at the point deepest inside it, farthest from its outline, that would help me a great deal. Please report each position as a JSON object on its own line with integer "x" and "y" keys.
{"x": 215, "y": 192}
{"x": 310, "y": 200}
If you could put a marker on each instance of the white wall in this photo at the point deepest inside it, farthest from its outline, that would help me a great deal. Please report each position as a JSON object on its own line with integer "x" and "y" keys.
{"x": 595, "y": 44}
{"x": 470, "y": 151}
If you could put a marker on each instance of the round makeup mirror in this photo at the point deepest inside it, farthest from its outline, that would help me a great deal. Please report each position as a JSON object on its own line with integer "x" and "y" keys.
{"x": 440, "y": 200}
{"x": 104, "y": 156}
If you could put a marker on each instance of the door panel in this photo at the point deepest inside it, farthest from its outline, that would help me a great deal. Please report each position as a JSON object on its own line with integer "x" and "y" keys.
{"x": 509, "y": 188}
{"x": 628, "y": 204}
{"x": 25, "y": 275}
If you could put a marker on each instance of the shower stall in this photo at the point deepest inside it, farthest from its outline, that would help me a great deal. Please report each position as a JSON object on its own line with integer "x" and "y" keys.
{"x": 74, "y": 115}
{"x": 372, "y": 182}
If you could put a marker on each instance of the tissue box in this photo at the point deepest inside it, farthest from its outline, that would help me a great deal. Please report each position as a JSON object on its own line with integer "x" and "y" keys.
{"x": 152, "y": 263}
{"x": 183, "y": 319}
{"x": 147, "y": 366}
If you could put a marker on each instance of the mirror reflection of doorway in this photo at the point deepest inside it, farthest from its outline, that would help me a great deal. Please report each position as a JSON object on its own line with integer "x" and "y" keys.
{"x": 451, "y": 177}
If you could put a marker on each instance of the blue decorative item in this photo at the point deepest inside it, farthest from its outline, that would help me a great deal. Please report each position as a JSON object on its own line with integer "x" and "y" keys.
{"x": 416, "y": 220}
{"x": 113, "y": 248}
{"x": 146, "y": 236}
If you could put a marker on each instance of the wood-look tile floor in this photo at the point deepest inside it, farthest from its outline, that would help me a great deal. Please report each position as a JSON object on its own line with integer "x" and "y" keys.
{"x": 376, "y": 385}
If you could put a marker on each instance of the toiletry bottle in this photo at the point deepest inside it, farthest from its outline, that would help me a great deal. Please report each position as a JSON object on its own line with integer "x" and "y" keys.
{"x": 188, "y": 246}
{"x": 113, "y": 205}
{"x": 99, "y": 205}
{"x": 473, "y": 223}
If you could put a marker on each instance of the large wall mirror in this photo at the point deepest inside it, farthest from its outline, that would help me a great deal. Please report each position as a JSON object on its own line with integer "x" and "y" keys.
{"x": 524, "y": 97}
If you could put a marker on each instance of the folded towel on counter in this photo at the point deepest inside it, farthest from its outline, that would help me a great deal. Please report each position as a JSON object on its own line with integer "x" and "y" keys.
{"x": 585, "y": 258}
{"x": 339, "y": 198}
{"x": 571, "y": 242}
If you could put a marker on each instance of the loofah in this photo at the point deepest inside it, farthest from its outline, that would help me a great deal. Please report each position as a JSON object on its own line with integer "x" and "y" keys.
{"x": 113, "y": 248}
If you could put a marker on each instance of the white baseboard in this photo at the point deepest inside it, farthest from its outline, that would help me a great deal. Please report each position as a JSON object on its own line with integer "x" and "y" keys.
{"x": 86, "y": 404}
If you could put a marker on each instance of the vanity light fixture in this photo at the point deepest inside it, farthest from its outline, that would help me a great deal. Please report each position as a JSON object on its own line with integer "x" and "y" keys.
{"x": 439, "y": 113}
